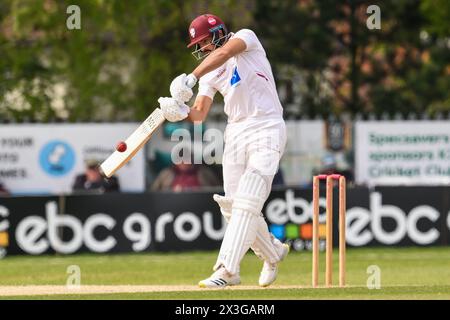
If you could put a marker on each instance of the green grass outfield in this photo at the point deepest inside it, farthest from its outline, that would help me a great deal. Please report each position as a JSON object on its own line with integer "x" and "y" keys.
{"x": 406, "y": 273}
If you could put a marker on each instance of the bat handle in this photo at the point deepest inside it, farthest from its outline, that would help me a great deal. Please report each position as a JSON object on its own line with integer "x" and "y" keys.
{"x": 191, "y": 80}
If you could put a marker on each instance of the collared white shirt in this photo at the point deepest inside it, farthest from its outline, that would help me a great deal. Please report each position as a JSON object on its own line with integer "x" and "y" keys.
{"x": 246, "y": 83}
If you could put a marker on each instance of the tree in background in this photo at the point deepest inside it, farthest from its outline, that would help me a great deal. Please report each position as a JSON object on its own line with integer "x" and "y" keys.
{"x": 325, "y": 59}
{"x": 407, "y": 64}
{"x": 333, "y": 63}
{"x": 115, "y": 67}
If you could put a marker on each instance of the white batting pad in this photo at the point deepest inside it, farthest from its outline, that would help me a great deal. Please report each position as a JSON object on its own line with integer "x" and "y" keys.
{"x": 239, "y": 236}
{"x": 251, "y": 193}
{"x": 265, "y": 245}
{"x": 242, "y": 228}
{"x": 225, "y": 204}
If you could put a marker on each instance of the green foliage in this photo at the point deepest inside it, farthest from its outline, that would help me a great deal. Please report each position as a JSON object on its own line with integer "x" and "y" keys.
{"x": 296, "y": 37}
{"x": 406, "y": 273}
{"x": 127, "y": 52}
{"x": 345, "y": 67}
{"x": 115, "y": 67}
{"x": 411, "y": 72}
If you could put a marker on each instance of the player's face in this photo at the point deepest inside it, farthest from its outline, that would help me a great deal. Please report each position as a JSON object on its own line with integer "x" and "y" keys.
{"x": 205, "y": 45}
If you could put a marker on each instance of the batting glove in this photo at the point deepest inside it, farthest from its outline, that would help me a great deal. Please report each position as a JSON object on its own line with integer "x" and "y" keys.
{"x": 181, "y": 87}
{"x": 172, "y": 110}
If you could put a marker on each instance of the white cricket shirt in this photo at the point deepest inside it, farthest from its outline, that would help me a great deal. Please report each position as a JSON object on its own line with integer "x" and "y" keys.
{"x": 246, "y": 83}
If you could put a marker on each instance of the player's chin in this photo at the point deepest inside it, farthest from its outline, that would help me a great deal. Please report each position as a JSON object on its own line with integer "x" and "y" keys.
{"x": 206, "y": 53}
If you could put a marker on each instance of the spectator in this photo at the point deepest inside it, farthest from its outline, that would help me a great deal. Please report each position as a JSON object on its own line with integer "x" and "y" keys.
{"x": 93, "y": 181}
{"x": 3, "y": 190}
{"x": 184, "y": 177}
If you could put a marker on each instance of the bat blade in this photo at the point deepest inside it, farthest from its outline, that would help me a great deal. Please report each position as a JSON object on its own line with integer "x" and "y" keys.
{"x": 134, "y": 142}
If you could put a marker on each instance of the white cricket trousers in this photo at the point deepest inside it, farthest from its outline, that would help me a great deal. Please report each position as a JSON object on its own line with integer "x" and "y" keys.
{"x": 252, "y": 153}
{"x": 252, "y": 144}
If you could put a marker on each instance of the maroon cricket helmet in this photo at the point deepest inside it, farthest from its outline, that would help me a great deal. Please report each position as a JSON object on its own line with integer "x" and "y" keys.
{"x": 204, "y": 26}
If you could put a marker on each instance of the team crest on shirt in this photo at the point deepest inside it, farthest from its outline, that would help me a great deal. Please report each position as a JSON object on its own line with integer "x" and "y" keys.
{"x": 235, "y": 78}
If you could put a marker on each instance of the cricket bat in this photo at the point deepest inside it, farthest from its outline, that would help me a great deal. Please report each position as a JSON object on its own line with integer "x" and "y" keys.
{"x": 134, "y": 143}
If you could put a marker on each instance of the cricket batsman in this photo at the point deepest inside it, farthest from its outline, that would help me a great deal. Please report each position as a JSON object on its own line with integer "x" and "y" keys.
{"x": 235, "y": 64}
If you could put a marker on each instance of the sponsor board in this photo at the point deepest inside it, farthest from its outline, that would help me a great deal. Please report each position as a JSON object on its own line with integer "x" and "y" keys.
{"x": 396, "y": 216}
{"x": 37, "y": 159}
{"x": 389, "y": 216}
{"x": 110, "y": 223}
{"x": 402, "y": 153}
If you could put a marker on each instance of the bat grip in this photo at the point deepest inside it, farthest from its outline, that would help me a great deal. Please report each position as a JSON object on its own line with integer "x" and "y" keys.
{"x": 191, "y": 80}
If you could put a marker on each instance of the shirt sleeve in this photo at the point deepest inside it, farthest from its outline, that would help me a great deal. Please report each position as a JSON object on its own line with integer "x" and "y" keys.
{"x": 249, "y": 37}
{"x": 205, "y": 89}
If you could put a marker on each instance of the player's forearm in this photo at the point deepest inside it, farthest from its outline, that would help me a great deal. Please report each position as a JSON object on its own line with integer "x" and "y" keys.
{"x": 212, "y": 62}
{"x": 200, "y": 109}
{"x": 196, "y": 115}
